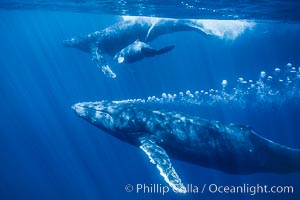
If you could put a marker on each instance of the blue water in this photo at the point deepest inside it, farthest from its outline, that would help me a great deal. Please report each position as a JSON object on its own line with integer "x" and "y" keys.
{"x": 46, "y": 152}
{"x": 279, "y": 10}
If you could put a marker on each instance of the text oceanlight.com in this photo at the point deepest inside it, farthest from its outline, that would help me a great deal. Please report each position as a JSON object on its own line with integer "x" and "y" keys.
{"x": 211, "y": 188}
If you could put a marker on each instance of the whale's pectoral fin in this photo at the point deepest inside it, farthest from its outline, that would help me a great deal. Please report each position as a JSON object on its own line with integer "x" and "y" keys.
{"x": 149, "y": 52}
{"x": 100, "y": 61}
{"x": 160, "y": 158}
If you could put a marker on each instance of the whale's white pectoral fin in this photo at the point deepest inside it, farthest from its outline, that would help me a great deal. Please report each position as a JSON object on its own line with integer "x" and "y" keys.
{"x": 154, "y": 22}
{"x": 98, "y": 58}
{"x": 160, "y": 158}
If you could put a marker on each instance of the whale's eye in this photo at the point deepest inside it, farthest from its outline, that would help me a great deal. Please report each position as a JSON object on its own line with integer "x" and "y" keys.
{"x": 120, "y": 59}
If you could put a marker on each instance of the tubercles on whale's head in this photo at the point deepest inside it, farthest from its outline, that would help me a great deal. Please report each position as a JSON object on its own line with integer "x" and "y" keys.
{"x": 83, "y": 43}
{"x": 115, "y": 117}
{"x": 95, "y": 113}
{"x": 69, "y": 43}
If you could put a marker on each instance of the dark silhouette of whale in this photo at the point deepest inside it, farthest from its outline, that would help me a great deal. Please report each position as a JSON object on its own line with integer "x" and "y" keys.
{"x": 116, "y": 37}
{"x": 162, "y": 134}
{"x": 139, "y": 50}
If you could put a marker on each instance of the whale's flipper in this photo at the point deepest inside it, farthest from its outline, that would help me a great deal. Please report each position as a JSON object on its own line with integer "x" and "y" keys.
{"x": 149, "y": 52}
{"x": 160, "y": 158}
{"x": 154, "y": 22}
{"x": 97, "y": 57}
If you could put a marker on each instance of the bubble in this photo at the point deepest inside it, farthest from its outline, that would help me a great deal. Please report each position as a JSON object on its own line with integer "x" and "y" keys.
{"x": 224, "y": 83}
{"x": 289, "y": 65}
{"x": 262, "y": 74}
{"x": 189, "y": 94}
{"x": 277, "y": 70}
{"x": 266, "y": 90}
{"x": 293, "y": 71}
{"x": 289, "y": 81}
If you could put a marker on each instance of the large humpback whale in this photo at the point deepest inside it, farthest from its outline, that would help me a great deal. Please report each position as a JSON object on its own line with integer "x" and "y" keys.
{"x": 163, "y": 134}
{"x": 117, "y": 36}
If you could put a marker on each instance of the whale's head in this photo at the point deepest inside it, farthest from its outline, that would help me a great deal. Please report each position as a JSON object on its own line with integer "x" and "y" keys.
{"x": 120, "y": 57}
{"x": 82, "y": 42}
{"x": 78, "y": 43}
{"x": 119, "y": 118}
{"x": 131, "y": 53}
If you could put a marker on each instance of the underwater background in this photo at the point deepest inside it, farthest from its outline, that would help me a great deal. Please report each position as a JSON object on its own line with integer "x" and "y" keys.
{"x": 47, "y": 152}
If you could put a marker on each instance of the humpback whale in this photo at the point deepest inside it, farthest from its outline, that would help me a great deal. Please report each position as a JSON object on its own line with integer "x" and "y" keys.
{"x": 116, "y": 37}
{"x": 137, "y": 51}
{"x": 164, "y": 134}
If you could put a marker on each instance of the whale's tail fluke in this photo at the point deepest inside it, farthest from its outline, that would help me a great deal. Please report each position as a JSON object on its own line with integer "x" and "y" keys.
{"x": 165, "y": 49}
{"x": 149, "y": 52}
{"x": 276, "y": 158}
{"x": 288, "y": 160}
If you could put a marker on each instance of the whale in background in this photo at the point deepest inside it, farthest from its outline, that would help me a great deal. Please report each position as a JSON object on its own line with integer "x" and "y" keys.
{"x": 116, "y": 37}
{"x": 163, "y": 134}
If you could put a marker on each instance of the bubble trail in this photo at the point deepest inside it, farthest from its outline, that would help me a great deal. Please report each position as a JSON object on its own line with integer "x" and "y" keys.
{"x": 277, "y": 88}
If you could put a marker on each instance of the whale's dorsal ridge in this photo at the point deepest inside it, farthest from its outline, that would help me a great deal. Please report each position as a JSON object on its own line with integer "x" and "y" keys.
{"x": 160, "y": 158}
